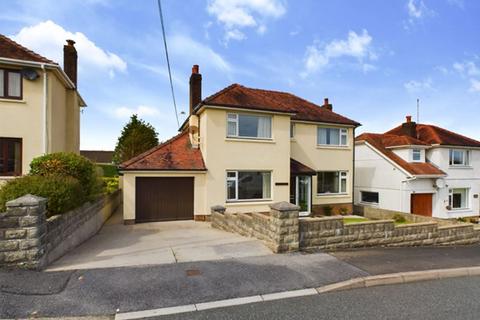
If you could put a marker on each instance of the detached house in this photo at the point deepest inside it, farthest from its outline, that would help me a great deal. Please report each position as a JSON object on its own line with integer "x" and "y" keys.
{"x": 244, "y": 149}
{"x": 418, "y": 168}
{"x": 39, "y": 106}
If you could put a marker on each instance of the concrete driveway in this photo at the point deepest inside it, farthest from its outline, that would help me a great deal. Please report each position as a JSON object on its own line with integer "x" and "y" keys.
{"x": 117, "y": 245}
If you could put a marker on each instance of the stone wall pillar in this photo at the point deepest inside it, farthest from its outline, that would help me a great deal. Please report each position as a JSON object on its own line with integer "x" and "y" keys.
{"x": 284, "y": 224}
{"x": 22, "y": 233}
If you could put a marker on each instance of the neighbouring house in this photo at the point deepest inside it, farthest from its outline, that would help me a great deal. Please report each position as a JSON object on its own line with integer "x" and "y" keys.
{"x": 39, "y": 106}
{"x": 98, "y": 156}
{"x": 244, "y": 149}
{"x": 420, "y": 169}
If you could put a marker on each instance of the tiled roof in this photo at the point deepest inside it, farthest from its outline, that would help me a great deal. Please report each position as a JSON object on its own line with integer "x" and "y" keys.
{"x": 174, "y": 154}
{"x": 296, "y": 167}
{"x": 380, "y": 142}
{"x": 12, "y": 50}
{"x": 239, "y": 96}
{"x": 435, "y": 135}
{"x": 99, "y": 156}
{"x": 391, "y": 140}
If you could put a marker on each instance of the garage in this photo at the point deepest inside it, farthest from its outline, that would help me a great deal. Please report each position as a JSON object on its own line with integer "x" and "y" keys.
{"x": 164, "y": 198}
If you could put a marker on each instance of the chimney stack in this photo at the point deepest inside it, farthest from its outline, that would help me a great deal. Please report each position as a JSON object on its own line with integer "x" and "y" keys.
{"x": 70, "y": 58}
{"x": 409, "y": 127}
{"x": 195, "y": 88}
{"x": 327, "y": 105}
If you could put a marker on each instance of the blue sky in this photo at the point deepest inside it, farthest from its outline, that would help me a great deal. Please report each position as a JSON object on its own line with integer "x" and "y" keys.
{"x": 371, "y": 58}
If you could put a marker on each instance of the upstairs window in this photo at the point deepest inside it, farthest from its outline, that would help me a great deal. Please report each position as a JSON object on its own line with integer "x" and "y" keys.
{"x": 332, "y": 136}
{"x": 329, "y": 182}
{"x": 249, "y": 126}
{"x": 459, "y": 157}
{"x": 416, "y": 155}
{"x": 10, "y": 84}
{"x": 10, "y": 157}
{"x": 292, "y": 130}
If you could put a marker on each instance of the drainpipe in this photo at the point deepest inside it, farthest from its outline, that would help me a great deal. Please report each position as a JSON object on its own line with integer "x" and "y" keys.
{"x": 353, "y": 172}
{"x": 45, "y": 116}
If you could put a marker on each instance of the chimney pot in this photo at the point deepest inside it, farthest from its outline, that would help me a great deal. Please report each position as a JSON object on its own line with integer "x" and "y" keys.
{"x": 70, "y": 59}
{"x": 327, "y": 105}
{"x": 325, "y": 102}
{"x": 70, "y": 42}
{"x": 195, "y": 69}
{"x": 409, "y": 118}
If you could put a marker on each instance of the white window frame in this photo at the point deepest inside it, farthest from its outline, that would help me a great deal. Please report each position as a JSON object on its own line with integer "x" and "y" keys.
{"x": 342, "y": 133}
{"x": 467, "y": 199}
{"x": 343, "y": 175}
{"x": 466, "y": 157}
{"x": 292, "y": 130}
{"x": 234, "y": 118}
{"x": 235, "y": 179}
{"x": 419, "y": 152}
{"x": 367, "y": 202}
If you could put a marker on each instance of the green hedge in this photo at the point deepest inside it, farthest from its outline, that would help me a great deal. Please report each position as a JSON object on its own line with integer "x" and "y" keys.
{"x": 63, "y": 193}
{"x": 108, "y": 170}
{"x": 110, "y": 185}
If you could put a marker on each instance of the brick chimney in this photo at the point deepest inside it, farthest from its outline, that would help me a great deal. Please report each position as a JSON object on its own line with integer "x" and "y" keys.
{"x": 195, "y": 88}
{"x": 70, "y": 60}
{"x": 327, "y": 105}
{"x": 409, "y": 127}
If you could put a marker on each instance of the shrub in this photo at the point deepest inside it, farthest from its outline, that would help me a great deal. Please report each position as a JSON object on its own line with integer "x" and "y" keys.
{"x": 344, "y": 211}
{"x": 110, "y": 185}
{"x": 399, "y": 218}
{"x": 108, "y": 170}
{"x": 62, "y": 193}
{"x": 69, "y": 165}
{"x": 327, "y": 210}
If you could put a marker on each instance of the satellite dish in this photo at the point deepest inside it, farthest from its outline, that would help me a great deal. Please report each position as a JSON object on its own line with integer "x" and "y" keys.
{"x": 30, "y": 74}
{"x": 440, "y": 183}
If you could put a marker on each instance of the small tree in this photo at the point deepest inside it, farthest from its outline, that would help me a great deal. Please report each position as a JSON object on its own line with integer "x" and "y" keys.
{"x": 137, "y": 137}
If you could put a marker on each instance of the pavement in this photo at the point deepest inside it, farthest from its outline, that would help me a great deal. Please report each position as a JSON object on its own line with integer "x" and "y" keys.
{"x": 118, "y": 245}
{"x": 430, "y": 300}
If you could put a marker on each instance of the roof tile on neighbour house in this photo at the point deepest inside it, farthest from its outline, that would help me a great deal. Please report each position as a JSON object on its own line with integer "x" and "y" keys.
{"x": 238, "y": 96}
{"x": 11, "y": 50}
{"x": 382, "y": 142}
{"x": 174, "y": 154}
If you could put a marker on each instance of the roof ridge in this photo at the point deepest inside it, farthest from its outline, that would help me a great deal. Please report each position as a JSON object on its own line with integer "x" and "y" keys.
{"x": 19, "y": 46}
{"x": 216, "y": 94}
{"x": 434, "y": 128}
{"x": 150, "y": 151}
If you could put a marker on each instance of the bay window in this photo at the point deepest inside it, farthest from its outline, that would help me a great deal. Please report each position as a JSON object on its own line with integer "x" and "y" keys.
{"x": 458, "y": 157}
{"x": 331, "y": 182}
{"x": 249, "y": 126}
{"x": 332, "y": 136}
{"x": 10, "y": 84}
{"x": 458, "y": 198}
{"x": 10, "y": 157}
{"x": 249, "y": 185}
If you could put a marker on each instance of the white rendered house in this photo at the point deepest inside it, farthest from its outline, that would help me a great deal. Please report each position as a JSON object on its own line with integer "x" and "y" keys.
{"x": 418, "y": 168}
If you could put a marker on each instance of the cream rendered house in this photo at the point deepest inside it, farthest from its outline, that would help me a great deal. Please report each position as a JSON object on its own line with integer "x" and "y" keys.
{"x": 419, "y": 168}
{"x": 244, "y": 149}
{"x": 39, "y": 106}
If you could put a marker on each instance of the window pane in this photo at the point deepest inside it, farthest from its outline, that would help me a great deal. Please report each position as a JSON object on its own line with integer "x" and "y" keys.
{"x": 344, "y": 138}
{"x": 14, "y": 84}
{"x": 456, "y": 157}
{"x": 328, "y": 182}
{"x": 254, "y": 126}
{"x": 370, "y": 197}
{"x": 2, "y": 157}
{"x": 1, "y": 84}
{"x": 334, "y": 136}
{"x": 416, "y": 155}
{"x": 10, "y": 157}
{"x": 267, "y": 184}
{"x": 232, "y": 128}
{"x": 322, "y": 136}
{"x": 231, "y": 193}
{"x": 343, "y": 185}
{"x": 292, "y": 129}
{"x": 251, "y": 185}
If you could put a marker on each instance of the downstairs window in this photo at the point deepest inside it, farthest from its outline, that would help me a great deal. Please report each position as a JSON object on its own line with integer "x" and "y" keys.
{"x": 249, "y": 185}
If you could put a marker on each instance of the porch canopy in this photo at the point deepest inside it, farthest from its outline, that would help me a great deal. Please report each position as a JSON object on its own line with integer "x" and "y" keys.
{"x": 299, "y": 169}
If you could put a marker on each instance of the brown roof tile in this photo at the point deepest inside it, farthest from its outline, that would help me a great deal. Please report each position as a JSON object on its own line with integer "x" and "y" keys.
{"x": 239, "y": 96}
{"x": 174, "y": 154}
{"x": 379, "y": 142}
{"x": 296, "y": 167}
{"x": 12, "y": 50}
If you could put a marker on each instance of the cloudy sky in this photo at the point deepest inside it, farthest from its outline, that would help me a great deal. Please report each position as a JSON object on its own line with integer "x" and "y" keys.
{"x": 372, "y": 58}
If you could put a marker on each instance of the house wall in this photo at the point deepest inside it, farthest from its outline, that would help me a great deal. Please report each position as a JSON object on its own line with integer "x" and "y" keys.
{"x": 221, "y": 154}
{"x": 304, "y": 148}
{"x": 128, "y": 186}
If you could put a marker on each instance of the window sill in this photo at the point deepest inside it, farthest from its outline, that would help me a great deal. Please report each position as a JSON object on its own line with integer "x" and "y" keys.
{"x": 321, "y": 146}
{"x": 460, "y": 167}
{"x": 13, "y": 100}
{"x": 232, "y": 203}
{"x": 459, "y": 210}
{"x": 371, "y": 204}
{"x": 250, "y": 140}
{"x": 343, "y": 194}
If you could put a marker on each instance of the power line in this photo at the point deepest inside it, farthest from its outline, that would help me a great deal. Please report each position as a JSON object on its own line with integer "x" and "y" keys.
{"x": 168, "y": 61}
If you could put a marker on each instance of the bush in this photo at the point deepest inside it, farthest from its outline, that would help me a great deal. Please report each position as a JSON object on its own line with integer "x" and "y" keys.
{"x": 399, "y": 218}
{"x": 62, "y": 193}
{"x": 344, "y": 211}
{"x": 69, "y": 165}
{"x": 110, "y": 185}
{"x": 108, "y": 170}
{"x": 327, "y": 210}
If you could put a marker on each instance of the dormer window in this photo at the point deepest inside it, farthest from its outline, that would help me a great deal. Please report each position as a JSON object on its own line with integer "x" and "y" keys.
{"x": 416, "y": 155}
{"x": 459, "y": 158}
{"x": 10, "y": 84}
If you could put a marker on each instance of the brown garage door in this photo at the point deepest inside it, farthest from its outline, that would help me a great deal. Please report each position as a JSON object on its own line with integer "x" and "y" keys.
{"x": 162, "y": 199}
{"x": 421, "y": 203}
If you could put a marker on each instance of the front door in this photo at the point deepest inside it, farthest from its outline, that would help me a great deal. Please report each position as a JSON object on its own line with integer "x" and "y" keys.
{"x": 300, "y": 193}
{"x": 421, "y": 204}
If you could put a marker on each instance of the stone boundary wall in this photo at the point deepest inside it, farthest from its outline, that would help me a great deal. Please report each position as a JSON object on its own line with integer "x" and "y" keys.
{"x": 283, "y": 231}
{"x": 29, "y": 240}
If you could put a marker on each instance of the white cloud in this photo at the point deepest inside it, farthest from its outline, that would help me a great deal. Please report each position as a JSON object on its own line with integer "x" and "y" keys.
{"x": 414, "y": 86}
{"x": 468, "y": 68}
{"x": 47, "y": 38}
{"x": 474, "y": 85}
{"x": 417, "y": 10}
{"x": 442, "y": 69}
{"x": 141, "y": 111}
{"x": 238, "y": 14}
{"x": 358, "y": 46}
